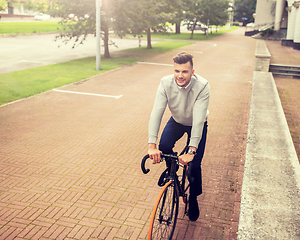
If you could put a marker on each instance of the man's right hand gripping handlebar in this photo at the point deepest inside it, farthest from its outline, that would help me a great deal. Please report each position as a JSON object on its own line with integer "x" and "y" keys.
{"x": 154, "y": 153}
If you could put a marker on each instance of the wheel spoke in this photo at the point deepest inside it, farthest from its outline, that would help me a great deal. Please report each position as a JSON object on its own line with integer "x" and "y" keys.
{"x": 166, "y": 211}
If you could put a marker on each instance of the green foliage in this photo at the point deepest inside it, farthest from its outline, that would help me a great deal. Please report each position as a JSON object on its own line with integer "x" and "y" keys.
{"x": 133, "y": 16}
{"x": 123, "y": 16}
{"x": 40, "y": 5}
{"x": 129, "y": 17}
{"x": 244, "y": 9}
{"x": 137, "y": 16}
{"x": 267, "y": 32}
{"x": 177, "y": 10}
{"x": 216, "y": 11}
{"x": 200, "y": 11}
{"x": 3, "y": 5}
{"x": 79, "y": 20}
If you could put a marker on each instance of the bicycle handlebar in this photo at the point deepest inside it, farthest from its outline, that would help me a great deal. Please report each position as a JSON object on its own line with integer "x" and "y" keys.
{"x": 145, "y": 171}
{"x": 162, "y": 155}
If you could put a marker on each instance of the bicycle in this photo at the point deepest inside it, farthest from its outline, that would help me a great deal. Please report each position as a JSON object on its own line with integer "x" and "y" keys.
{"x": 165, "y": 211}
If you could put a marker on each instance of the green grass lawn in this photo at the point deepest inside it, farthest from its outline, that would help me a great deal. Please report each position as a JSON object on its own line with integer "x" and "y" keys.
{"x": 25, "y": 83}
{"x": 163, "y": 46}
{"x": 28, "y": 27}
{"x": 198, "y": 35}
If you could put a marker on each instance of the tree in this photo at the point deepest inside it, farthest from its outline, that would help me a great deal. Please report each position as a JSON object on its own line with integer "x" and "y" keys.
{"x": 177, "y": 7}
{"x": 244, "y": 10}
{"x": 132, "y": 18}
{"x": 3, "y": 5}
{"x": 122, "y": 16}
{"x": 7, "y": 4}
{"x": 193, "y": 13}
{"x": 79, "y": 20}
{"x": 140, "y": 16}
{"x": 40, "y": 6}
{"x": 216, "y": 11}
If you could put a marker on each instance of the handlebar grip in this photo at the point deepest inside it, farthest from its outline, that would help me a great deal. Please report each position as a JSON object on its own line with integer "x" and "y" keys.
{"x": 145, "y": 171}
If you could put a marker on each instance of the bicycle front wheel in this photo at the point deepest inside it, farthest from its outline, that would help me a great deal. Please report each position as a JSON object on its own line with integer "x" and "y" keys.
{"x": 164, "y": 215}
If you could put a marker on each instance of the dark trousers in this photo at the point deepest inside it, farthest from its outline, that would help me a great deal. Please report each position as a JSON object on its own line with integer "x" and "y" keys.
{"x": 172, "y": 132}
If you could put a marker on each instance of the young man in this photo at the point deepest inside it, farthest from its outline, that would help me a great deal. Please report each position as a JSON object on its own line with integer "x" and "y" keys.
{"x": 187, "y": 96}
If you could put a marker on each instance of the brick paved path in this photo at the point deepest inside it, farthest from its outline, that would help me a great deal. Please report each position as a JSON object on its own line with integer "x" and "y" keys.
{"x": 288, "y": 88}
{"x": 70, "y": 164}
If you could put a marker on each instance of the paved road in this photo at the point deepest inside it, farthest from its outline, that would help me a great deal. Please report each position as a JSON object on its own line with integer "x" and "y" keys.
{"x": 22, "y": 52}
{"x": 70, "y": 164}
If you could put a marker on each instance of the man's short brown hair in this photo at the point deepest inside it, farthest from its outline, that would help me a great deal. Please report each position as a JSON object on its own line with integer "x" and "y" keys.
{"x": 183, "y": 57}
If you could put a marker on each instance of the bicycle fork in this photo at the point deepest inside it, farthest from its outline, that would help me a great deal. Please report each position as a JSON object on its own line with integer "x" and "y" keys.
{"x": 181, "y": 191}
{"x": 161, "y": 216}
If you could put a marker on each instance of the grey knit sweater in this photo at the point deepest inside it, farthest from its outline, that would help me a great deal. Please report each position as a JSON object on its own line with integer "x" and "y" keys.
{"x": 188, "y": 106}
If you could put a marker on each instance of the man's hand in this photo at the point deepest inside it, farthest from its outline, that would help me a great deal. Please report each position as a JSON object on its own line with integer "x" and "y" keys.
{"x": 154, "y": 153}
{"x": 186, "y": 158}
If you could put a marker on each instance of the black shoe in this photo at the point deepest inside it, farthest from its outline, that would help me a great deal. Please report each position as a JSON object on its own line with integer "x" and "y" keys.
{"x": 163, "y": 179}
{"x": 193, "y": 209}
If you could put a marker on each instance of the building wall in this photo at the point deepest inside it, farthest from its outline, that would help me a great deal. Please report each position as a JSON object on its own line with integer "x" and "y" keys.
{"x": 280, "y": 8}
{"x": 265, "y": 12}
{"x": 282, "y": 14}
{"x": 297, "y": 26}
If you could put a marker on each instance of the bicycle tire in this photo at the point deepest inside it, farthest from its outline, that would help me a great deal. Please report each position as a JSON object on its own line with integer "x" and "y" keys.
{"x": 164, "y": 215}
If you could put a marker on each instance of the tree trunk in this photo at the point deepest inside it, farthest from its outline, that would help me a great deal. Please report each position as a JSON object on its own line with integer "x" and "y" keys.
{"x": 149, "y": 46}
{"x": 177, "y": 28}
{"x": 106, "y": 48}
{"x": 192, "y": 33}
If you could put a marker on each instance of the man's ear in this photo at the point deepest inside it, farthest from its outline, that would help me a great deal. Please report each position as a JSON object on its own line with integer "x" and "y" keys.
{"x": 193, "y": 72}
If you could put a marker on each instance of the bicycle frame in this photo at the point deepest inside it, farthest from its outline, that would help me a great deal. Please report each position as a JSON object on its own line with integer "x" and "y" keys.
{"x": 179, "y": 190}
{"x": 180, "y": 187}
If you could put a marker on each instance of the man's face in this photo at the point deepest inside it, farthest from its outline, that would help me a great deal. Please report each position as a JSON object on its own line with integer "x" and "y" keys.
{"x": 183, "y": 73}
